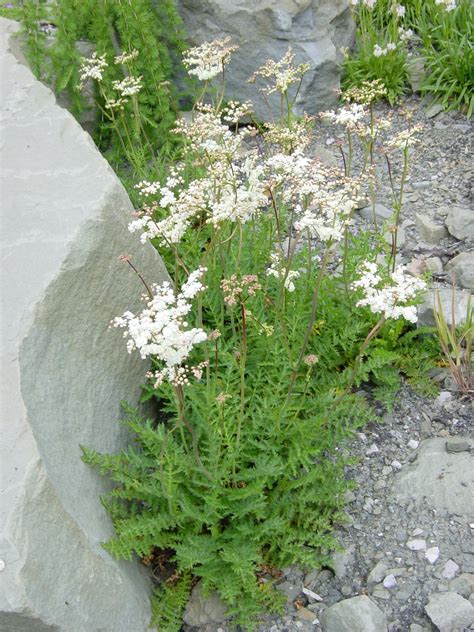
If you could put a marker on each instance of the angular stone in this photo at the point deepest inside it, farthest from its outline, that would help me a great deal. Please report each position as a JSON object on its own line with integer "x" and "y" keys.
{"x": 377, "y": 574}
{"x": 432, "y": 554}
{"x": 427, "y": 307}
{"x": 64, "y": 225}
{"x": 450, "y": 612}
{"x": 450, "y": 569}
{"x": 358, "y": 614}
{"x": 204, "y": 609}
{"x": 416, "y": 545}
{"x": 460, "y": 222}
{"x": 416, "y": 72}
{"x": 264, "y": 29}
{"x": 463, "y": 585}
{"x": 434, "y": 265}
{"x": 454, "y": 446}
{"x": 429, "y": 230}
{"x": 462, "y": 269}
{"x": 382, "y": 213}
{"x": 444, "y": 480}
{"x": 341, "y": 560}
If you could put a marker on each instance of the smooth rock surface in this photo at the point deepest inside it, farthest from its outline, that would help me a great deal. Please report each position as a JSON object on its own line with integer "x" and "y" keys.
{"x": 460, "y": 221}
{"x": 358, "y": 614}
{"x": 315, "y": 29}
{"x": 462, "y": 269}
{"x": 450, "y": 612}
{"x": 64, "y": 219}
{"x": 444, "y": 480}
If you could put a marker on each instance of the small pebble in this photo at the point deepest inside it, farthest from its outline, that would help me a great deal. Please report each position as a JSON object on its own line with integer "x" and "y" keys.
{"x": 390, "y": 581}
{"x": 432, "y": 554}
{"x": 416, "y": 545}
{"x": 450, "y": 570}
{"x": 413, "y": 444}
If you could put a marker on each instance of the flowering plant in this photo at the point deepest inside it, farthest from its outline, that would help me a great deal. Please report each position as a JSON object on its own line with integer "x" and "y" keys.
{"x": 255, "y": 346}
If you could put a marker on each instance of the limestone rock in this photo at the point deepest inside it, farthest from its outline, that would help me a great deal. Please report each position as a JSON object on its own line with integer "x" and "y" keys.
{"x": 463, "y": 585}
{"x": 64, "y": 219}
{"x": 462, "y": 268}
{"x": 264, "y": 29}
{"x": 416, "y": 72}
{"x": 382, "y": 213}
{"x": 426, "y": 308}
{"x": 429, "y": 230}
{"x": 460, "y": 222}
{"x": 450, "y": 612}
{"x": 203, "y": 610}
{"x": 358, "y": 614}
{"x": 444, "y": 480}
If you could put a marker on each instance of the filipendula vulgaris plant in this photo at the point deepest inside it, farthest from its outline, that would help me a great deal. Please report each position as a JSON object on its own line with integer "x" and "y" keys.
{"x": 138, "y": 45}
{"x": 255, "y": 347}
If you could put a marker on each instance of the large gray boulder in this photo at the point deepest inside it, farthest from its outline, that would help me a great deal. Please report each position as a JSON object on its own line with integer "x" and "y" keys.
{"x": 316, "y": 30}
{"x": 64, "y": 218}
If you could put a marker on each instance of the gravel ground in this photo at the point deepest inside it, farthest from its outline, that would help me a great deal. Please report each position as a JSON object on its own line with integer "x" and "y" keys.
{"x": 408, "y": 542}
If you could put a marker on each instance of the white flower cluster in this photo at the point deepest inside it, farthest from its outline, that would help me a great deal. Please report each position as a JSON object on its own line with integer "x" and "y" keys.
{"x": 390, "y": 299}
{"x": 448, "y": 5}
{"x": 348, "y": 116}
{"x": 405, "y": 138}
{"x": 208, "y": 60}
{"x": 382, "y": 52}
{"x": 240, "y": 198}
{"x": 235, "y": 111}
{"x": 277, "y": 269}
{"x": 367, "y": 92}
{"x": 399, "y": 10}
{"x": 92, "y": 68}
{"x": 128, "y": 86}
{"x": 282, "y": 73}
{"x": 161, "y": 329}
{"x": 405, "y": 34}
{"x": 125, "y": 57}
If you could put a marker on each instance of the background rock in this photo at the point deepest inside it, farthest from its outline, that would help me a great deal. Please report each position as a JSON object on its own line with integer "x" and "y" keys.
{"x": 358, "y": 614}
{"x": 316, "y": 30}
{"x": 460, "y": 222}
{"x": 64, "y": 218}
{"x": 426, "y": 308}
{"x": 462, "y": 268}
{"x": 444, "y": 480}
{"x": 202, "y": 610}
{"x": 450, "y": 612}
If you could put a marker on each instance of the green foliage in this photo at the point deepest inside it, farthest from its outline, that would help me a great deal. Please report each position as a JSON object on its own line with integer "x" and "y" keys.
{"x": 168, "y": 604}
{"x": 377, "y": 27}
{"x": 151, "y": 28}
{"x": 443, "y": 38}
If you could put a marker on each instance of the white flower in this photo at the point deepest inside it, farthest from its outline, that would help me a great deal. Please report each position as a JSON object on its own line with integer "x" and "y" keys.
{"x": 449, "y": 5}
{"x": 128, "y": 86}
{"x": 378, "y": 52}
{"x": 209, "y": 59}
{"x": 92, "y": 68}
{"x": 400, "y": 10}
{"x": 348, "y": 116}
{"x": 405, "y": 138}
{"x": 282, "y": 73}
{"x": 389, "y": 299}
{"x": 161, "y": 329}
{"x": 277, "y": 269}
{"x": 125, "y": 57}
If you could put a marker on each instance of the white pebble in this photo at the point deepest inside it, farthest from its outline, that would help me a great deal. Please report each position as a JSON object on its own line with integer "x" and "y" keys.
{"x": 417, "y": 545}
{"x": 413, "y": 444}
{"x": 432, "y": 554}
{"x": 396, "y": 465}
{"x": 390, "y": 581}
{"x": 417, "y": 531}
{"x": 312, "y": 595}
{"x": 2, "y": 565}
